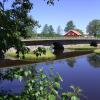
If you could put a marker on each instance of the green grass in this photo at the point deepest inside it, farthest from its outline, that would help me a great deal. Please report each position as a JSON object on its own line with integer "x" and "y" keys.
{"x": 81, "y": 47}
{"x": 97, "y": 51}
{"x": 30, "y": 56}
{"x": 50, "y": 56}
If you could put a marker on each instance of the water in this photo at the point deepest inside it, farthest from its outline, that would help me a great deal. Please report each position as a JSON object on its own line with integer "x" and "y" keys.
{"x": 82, "y": 71}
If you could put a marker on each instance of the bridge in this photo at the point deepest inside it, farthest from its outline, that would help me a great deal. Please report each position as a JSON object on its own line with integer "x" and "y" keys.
{"x": 61, "y": 40}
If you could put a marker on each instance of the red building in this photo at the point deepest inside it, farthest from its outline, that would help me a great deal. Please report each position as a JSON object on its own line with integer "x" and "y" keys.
{"x": 72, "y": 33}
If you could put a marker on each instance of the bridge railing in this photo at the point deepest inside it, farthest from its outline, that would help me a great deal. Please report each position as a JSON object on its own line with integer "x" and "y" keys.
{"x": 60, "y": 38}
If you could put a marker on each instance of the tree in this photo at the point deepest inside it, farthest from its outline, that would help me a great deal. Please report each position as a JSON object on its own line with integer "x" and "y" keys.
{"x": 50, "y": 30}
{"x": 13, "y": 23}
{"x": 93, "y": 28}
{"x": 80, "y": 31}
{"x": 59, "y": 30}
{"x": 69, "y": 26}
{"x": 31, "y": 32}
{"x": 45, "y": 30}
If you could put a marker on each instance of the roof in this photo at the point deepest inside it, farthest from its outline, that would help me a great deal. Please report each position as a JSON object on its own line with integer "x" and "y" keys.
{"x": 78, "y": 33}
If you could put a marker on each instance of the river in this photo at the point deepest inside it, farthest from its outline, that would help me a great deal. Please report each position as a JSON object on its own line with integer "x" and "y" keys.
{"x": 82, "y": 71}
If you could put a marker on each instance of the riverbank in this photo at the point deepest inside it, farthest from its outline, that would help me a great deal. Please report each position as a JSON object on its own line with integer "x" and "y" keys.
{"x": 97, "y": 51}
{"x": 73, "y": 50}
{"x": 14, "y": 63}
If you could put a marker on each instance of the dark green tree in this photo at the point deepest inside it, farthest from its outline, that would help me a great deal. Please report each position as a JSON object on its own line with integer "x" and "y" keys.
{"x": 13, "y": 24}
{"x": 51, "y": 30}
{"x": 48, "y": 31}
{"x": 31, "y": 32}
{"x": 80, "y": 31}
{"x": 69, "y": 26}
{"x": 93, "y": 28}
{"x": 45, "y": 30}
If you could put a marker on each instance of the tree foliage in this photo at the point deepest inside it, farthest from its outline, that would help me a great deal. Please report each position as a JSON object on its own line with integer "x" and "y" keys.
{"x": 38, "y": 85}
{"x": 13, "y": 23}
{"x": 48, "y": 31}
{"x": 80, "y": 31}
{"x": 93, "y": 28}
{"x": 50, "y": 2}
{"x": 69, "y": 26}
{"x": 45, "y": 29}
{"x": 59, "y": 30}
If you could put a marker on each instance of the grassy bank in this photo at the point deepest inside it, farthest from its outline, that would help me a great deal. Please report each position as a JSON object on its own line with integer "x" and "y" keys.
{"x": 81, "y": 47}
{"x": 30, "y": 56}
{"x": 84, "y": 48}
{"x": 97, "y": 51}
{"x": 50, "y": 56}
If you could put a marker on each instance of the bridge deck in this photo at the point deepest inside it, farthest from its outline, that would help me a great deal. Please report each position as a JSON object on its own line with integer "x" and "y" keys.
{"x": 64, "y": 41}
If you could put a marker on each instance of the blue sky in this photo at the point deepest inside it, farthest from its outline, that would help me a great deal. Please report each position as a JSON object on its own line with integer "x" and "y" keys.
{"x": 80, "y": 11}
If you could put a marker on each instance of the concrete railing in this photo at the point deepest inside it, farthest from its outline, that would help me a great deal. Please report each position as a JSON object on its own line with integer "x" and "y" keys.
{"x": 61, "y": 38}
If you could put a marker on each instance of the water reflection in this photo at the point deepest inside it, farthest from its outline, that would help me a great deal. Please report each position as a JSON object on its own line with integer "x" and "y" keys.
{"x": 94, "y": 60}
{"x": 71, "y": 61}
{"x": 13, "y": 80}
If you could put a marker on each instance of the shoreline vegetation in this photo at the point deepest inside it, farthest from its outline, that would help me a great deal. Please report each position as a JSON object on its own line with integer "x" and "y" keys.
{"x": 73, "y": 51}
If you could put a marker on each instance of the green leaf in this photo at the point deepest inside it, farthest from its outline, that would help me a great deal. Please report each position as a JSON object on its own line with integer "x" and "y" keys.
{"x": 43, "y": 76}
{"x": 57, "y": 85}
{"x": 68, "y": 94}
{"x": 54, "y": 91}
{"x": 26, "y": 73}
{"x": 41, "y": 88}
{"x": 40, "y": 98}
{"x": 60, "y": 78}
{"x": 51, "y": 97}
{"x": 74, "y": 98}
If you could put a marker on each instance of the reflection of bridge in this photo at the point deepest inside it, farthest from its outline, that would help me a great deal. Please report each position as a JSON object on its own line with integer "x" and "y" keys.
{"x": 62, "y": 40}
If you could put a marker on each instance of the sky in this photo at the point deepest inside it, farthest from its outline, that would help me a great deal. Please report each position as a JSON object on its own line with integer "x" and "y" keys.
{"x": 80, "y": 11}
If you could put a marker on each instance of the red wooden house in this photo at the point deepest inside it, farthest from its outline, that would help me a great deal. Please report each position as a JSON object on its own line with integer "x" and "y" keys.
{"x": 72, "y": 33}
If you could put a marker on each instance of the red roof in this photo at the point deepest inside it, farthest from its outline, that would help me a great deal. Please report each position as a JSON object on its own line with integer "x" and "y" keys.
{"x": 73, "y": 31}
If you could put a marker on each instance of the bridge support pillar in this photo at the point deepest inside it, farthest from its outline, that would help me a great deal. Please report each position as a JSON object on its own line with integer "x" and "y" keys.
{"x": 58, "y": 48}
{"x": 94, "y": 43}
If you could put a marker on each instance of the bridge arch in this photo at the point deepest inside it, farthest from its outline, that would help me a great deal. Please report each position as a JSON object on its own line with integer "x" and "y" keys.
{"x": 58, "y": 48}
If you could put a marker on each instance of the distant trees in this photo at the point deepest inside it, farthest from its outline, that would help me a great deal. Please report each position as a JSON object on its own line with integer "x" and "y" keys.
{"x": 45, "y": 29}
{"x": 48, "y": 31}
{"x": 80, "y": 31}
{"x": 31, "y": 32}
{"x": 93, "y": 28}
{"x": 69, "y": 26}
{"x": 59, "y": 30}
